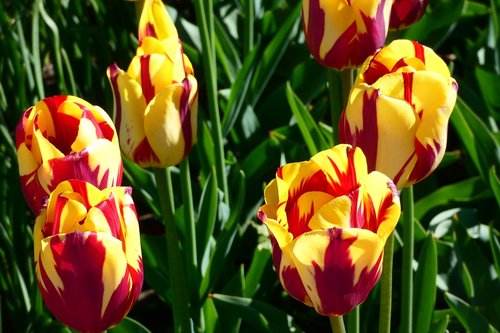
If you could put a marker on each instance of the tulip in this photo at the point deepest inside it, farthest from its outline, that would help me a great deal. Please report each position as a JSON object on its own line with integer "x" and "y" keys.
{"x": 64, "y": 137}
{"x": 328, "y": 221}
{"x": 155, "y": 21}
{"x": 398, "y": 111}
{"x": 341, "y": 33}
{"x": 406, "y": 12}
{"x": 88, "y": 255}
{"x": 156, "y": 104}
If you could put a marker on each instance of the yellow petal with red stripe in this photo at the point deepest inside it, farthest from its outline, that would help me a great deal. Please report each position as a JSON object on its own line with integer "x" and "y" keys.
{"x": 87, "y": 255}
{"x": 328, "y": 221}
{"x": 155, "y": 21}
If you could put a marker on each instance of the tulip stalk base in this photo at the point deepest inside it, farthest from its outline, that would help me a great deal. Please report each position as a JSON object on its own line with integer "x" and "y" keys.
{"x": 337, "y": 323}
{"x": 386, "y": 287}
{"x": 177, "y": 276}
{"x": 408, "y": 245}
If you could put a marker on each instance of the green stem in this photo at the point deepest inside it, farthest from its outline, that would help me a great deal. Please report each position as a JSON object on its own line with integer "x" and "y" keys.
{"x": 338, "y": 96}
{"x": 336, "y": 104}
{"x": 337, "y": 323}
{"x": 347, "y": 82}
{"x": 190, "y": 246}
{"x": 384, "y": 324}
{"x": 180, "y": 303}
{"x": 353, "y": 320}
{"x": 408, "y": 244}
{"x": 204, "y": 8}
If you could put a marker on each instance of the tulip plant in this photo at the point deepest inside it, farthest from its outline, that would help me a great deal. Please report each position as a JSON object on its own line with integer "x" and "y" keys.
{"x": 249, "y": 166}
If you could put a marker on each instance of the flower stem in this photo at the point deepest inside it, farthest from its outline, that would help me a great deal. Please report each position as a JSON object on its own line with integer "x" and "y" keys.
{"x": 180, "y": 303}
{"x": 336, "y": 103}
{"x": 190, "y": 246}
{"x": 408, "y": 243}
{"x": 337, "y": 323}
{"x": 353, "y": 320}
{"x": 204, "y": 10}
{"x": 384, "y": 324}
{"x": 338, "y": 96}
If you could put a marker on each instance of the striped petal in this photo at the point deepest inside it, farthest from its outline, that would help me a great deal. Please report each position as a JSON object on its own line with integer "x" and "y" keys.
{"x": 155, "y": 21}
{"x": 338, "y": 267}
{"x": 87, "y": 255}
{"x": 328, "y": 221}
{"x": 341, "y": 33}
{"x": 403, "y": 94}
{"x": 64, "y": 137}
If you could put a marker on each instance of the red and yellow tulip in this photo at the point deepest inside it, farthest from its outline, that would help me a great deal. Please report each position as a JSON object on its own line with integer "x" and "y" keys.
{"x": 155, "y": 21}
{"x": 398, "y": 111}
{"x": 406, "y": 12}
{"x": 156, "y": 102}
{"x": 328, "y": 221}
{"x": 65, "y": 137}
{"x": 88, "y": 255}
{"x": 342, "y": 33}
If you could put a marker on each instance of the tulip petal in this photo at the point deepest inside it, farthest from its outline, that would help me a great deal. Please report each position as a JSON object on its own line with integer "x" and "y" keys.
{"x": 342, "y": 33}
{"x": 86, "y": 286}
{"x": 155, "y": 21}
{"x": 338, "y": 267}
{"x": 169, "y": 121}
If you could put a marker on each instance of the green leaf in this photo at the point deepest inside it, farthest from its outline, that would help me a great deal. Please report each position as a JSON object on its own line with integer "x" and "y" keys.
{"x": 143, "y": 182}
{"x": 207, "y": 213}
{"x": 480, "y": 144}
{"x": 489, "y": 86}
{"x": 495, "y": 183}
{"x": 472, "y": 320}
{"x": 128, "y": 325}
{"x": 495, "y": 249}
{"x": 440, "y": 325}
{"x": 465, "y": 191}
{"x": 261, "y": 316}
{"x": 257, "y": 266}
{"x": 217, "y": 260}
{"x": 239, "y": 91}
{"x": 310, "y": 130}
{"x": 272, "y": 54}
{"x": 425, "y": 286}
{"x": 438, "y": 22}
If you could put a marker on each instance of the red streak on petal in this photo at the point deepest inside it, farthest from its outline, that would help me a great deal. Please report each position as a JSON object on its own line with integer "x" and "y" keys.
{"x": 79, "y": 264}
{"x": 419, "y": 51}
{"x": 403, "y": 169}
{"x": 335, "y": 283}
{"x": 315, "y": 30}
{"x": 298, "y": 217}
{"x": 426, "y": 161}
{"x": 367, "y": 137}
{"x": 150, "y": 30}
{"x": 185, "y": 115}
{"x": 113, "y": 77}
{"x": 77, "y": 166}
{"x": 375, "y": 71}
{"x": 408, "y": 87}
{"x": 147, "y": 85}
{"x": 144, "y": 153}
{"x": 291, "y": 280}
{"x": 279, "y": 173}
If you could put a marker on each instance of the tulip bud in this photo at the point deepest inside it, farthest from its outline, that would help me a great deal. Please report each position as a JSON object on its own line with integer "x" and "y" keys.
{"x": 88, "y": 255}
{"x": 406, "y": 12}
{"x": 155, "y": 21}
{"x": 398, "y": 111}
{"x": 341, "y": 34}
{"x": 156, "y": 104}
{"x": 64, "y": 137}
{"x": 328, "y": 221}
